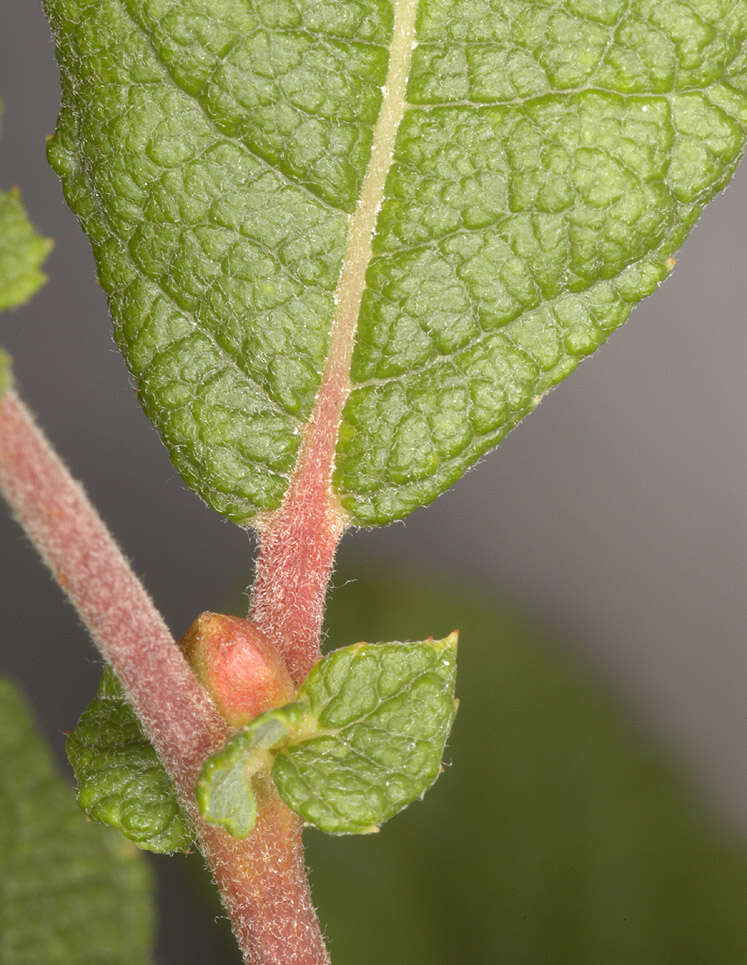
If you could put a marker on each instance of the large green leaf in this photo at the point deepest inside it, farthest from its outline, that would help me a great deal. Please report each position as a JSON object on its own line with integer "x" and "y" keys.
{"x": 550, "y": 157}
{"x": 71, "y": 893}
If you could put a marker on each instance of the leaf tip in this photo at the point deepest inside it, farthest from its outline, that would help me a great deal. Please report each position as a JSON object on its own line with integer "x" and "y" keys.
{"x": 448, "y": 644}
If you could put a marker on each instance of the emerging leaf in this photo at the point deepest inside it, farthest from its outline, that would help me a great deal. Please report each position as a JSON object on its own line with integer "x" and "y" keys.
{"x": 363, "y": 741}
{"x": 465, "y": 198}
{"x": 224, "y": 789}
{"x": 72, "y": 892}
{"x": 237, "y": 665}
{"x": 121, "y": 780}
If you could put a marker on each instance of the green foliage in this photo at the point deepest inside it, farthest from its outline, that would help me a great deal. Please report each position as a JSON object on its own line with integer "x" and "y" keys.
{"x": 551, "y": 158}
{"x": 73, "y": 894}
{"x": 121, "y": 780}
{"x": 559, "y": 834}
{"x": 364, "y": 740}
{"x": 224, "y": 790}
{"x": 382, "y": 713}
{"x": 22, "y": 252}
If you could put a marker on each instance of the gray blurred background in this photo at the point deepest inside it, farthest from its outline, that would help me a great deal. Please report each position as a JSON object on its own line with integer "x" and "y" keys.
{"x": 617, "y": 511}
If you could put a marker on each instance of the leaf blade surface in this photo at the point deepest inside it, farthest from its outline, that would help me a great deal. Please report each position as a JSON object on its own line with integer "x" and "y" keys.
{"x": 384, "y": 712}
{"x": 121, "y": 780}
{"x": 548, "y": 162}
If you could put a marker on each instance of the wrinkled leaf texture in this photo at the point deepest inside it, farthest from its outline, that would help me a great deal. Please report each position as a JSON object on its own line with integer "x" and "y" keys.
{"x": 121, "y": 780}
{"x": 365, "y": 739}
{"x": 551, "y": 157}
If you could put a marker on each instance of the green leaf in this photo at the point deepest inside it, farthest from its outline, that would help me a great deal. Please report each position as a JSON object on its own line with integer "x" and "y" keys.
{"x": 22, "y": 252}
{"x": 549, "y": 159}
{"x": 226, "y": 797}
{"x": 385, "y": 711}
{"x": 121, "y": 780}
{"x": 224, "y": 789}
{"x": 364, "y": 740}
{"x": 72, "y": 892}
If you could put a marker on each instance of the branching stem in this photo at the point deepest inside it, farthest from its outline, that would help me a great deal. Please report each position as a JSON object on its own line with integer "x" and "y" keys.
{"x": 262, "y": 880}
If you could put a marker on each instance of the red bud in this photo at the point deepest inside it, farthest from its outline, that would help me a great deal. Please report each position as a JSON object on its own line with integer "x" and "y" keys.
{"x": 237, "y": 665}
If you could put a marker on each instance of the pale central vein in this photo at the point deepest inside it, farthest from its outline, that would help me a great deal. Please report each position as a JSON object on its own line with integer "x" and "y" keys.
{"x": 316, "y": 455}
{"x": 363, "y": 222}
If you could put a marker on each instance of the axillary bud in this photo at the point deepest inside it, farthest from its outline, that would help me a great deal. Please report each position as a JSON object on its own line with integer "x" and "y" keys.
{"x": 237, "y": 665}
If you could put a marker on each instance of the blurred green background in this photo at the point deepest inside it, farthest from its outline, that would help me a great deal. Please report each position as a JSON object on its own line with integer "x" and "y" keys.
{"x": 557, "y": 834}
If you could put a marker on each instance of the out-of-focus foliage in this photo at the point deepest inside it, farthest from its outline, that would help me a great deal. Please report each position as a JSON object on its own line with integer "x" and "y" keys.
{"x": 71, "y": 893}
{"x": 22, "y": 252}
{"x": 558, "y": 835}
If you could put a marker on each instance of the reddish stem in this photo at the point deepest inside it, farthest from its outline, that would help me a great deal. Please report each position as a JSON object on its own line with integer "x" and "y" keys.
{"x": 262, "y": 880}
{"x": 299, "y": 540}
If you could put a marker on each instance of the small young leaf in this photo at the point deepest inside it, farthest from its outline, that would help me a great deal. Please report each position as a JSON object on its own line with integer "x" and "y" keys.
{"x": 471, "y": 195}
{"x": 225, "y": 795}
{"x": 383, "y": 713}
{"x": 22, "y": 252}
{"x": 121, "y": 781}
{"x": 224, "y": 790}
{"x": 364, "y": 739}
{"x": 71, "y": 892}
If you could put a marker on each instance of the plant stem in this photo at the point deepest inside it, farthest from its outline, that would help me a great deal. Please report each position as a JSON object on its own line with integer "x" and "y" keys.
{"x": 296, "y": 555}
{"x": 262, "y": 880}
{"x": 53, "y": 509}
{"x": 298, "y": 540}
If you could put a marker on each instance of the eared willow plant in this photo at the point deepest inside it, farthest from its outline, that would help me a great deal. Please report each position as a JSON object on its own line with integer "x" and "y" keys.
{"x": 347, "y": 246}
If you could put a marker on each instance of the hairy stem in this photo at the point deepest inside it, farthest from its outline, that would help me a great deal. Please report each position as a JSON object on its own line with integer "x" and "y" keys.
{"x": 262, "y": 880}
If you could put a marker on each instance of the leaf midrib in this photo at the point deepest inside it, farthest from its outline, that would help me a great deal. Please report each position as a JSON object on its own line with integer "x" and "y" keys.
{"x": 312, "y": 476}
